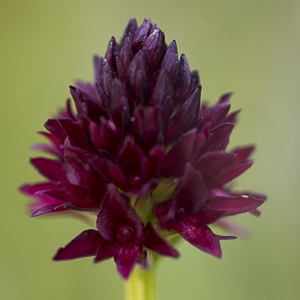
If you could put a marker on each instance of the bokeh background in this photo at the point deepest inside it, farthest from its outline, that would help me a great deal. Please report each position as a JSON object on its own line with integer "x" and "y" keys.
{"x": 249, "y": 47}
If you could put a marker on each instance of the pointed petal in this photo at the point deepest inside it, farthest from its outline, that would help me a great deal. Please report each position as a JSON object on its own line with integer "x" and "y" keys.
{"x": 116, "y": 215}
{"x": 163, "y": 93}
{"x": 233, "y": 228}
{"x": 217, "y": 137}
{"x": 155, "y": 126}
{"x": 170, "y": 62}
{"x": 106, "y": 250}
{"x": 201, "y": 237}
{"x": 233, "y": 205}
{"x": 62, "y": 195}
{"x": 130, "y": 29}
{"x": 31, "y": 189}
{"x": 235, "y": 172}
{"x": 225, "y": 97}
{"x": 204, "y": 217}
{"x": 97, "y": 67}
{"x": 126, "y": 54}
{"x": 48, "y": 209}
{"x": 106, "y": 78}
{"x": 130, "y": 158}
{"x": 243, "y": 153}
{"x": 85, "y": 244}
{"x": 140, "y": 35}
{"x": 158, "y": 244}
{"x": 104, "y": 138}
{"x": 214, "y": 166}
{"x": 183, "y": 82}
{"x": 156, "y": 155}
{"x": 155, "y": 45}
{"x": 112, "y": 52}
{"x": 74, "y": 168}
{"x": 140, "y": 78}
{"x": 52, "y": 169}
{"x": 195, "y": 78}
{"x": 186, "y": 117}
{"x": 54, "y": 127}
{"x": 75, "y": 132}
{"x": 126, "y": 258}
{"x": 120, "y": 107}
{"x": 191, "y": 193}
{"x": 85, "y": 104}
{"x": 179, "y": 154}
{"x": 215, "y": 114}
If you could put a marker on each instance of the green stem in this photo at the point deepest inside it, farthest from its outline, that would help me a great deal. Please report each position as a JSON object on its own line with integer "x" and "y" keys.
{"x": 141, "y": 284}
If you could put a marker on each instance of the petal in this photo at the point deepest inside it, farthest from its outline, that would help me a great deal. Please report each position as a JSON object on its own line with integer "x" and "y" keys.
{"x": 191, "y": 193}
{"x": 156, "y": 155}
{"x": 218, "y": 136}
{"x": 243, "y": 153}
{"x": 52, "y": 169}
{"x": 155, "y": 45}
{"x": 233, "y": 205}
{"x": 215, "y": 114}
{"x": 130, "y": 29}
{"x": 126, "y": 258}
{"x": 235, "y": 172}
{"x": 195, "y": 78}
{"x": 163, "y": 93}
{"x": 111, "y": 53}
{"x": 75, "y": 170}
{"x": 117, "y": 214}
{"x": 170, "y": 62}
{"x": 126, "y": 53}
{"x": 140, "y": 35}
{"x": 48, "y": 209}
{"x": 75, "y": 132}
{"x": 233, "y": 227}
{"x": 54, "y": 127}
{"x": 155, "y": 126}
{"x": 186, "y": 117}
{"x": 140, "y": 78}
{"x": 156, "y": 243}
{"x": 214, "y": 166}
{"x": 106, "y": 79}
{"x": 85, "y": 244}
{"x": 201, "y": 237}
{"x": 179, "y": 154}
{"x": 31, "y": 189}
{"x": 130, "y": 157}
{"x": 62, "y": 195}
{"x": 183, "y": 82}
{"x": 204, "y": 217}
{"x": 103, "y": 137}
{"x": 225, "y": 97}
{"x": 85, "y": 104}
{"x": 51, "y": 138}
{"x": 120, "y": 106}
{"x": 97, "y": 66}
{"x": 106, "y": 250}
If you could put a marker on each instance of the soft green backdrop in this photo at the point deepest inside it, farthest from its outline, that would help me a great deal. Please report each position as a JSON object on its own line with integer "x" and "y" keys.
{"x": 249, "y": 47}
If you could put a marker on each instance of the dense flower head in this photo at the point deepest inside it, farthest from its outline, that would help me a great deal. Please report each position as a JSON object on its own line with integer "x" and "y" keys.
{"x": 141, "y": 156}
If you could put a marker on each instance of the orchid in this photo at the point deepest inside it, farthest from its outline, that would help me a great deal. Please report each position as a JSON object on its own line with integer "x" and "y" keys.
{"x": 142, "y": 157}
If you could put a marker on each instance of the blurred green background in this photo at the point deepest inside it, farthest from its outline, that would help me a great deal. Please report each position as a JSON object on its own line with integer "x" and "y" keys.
{"x": 249, "y": 47}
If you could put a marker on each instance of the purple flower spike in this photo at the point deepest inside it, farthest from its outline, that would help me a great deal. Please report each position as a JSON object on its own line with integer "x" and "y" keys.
{"x": 141, "y": 158}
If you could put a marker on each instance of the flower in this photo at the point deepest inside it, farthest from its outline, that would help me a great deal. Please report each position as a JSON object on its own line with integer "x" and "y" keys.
{"x": 143, "y": 155}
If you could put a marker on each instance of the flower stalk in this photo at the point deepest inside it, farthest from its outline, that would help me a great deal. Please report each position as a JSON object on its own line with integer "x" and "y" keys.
{"x": 141, "y": 284}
